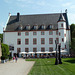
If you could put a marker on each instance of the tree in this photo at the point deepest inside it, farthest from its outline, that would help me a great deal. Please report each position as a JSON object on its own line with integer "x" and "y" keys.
{"x": 5, "y": 51}
{"x": 72, "y": 29}
{"x": 1, "y": 36}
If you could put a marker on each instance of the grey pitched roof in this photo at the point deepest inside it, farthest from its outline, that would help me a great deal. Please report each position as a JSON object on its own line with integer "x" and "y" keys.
{"x": 40, "y": 19}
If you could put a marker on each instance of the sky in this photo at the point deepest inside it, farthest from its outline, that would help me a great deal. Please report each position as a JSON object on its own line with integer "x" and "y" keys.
{"x": 25, "y": 7}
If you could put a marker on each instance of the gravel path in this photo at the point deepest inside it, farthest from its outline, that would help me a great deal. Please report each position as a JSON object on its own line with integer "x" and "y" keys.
{"x": 22, "y": 67}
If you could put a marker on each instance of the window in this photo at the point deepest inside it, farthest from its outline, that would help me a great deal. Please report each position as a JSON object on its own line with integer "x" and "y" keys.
{"x": 42, "y": 49}
{"x": 65, "y": 35}
{"x": 34, "y": 41}
{"x": 35, "y": 27}
{"x": 11, "y": 48}
{"x": 42, "y": 40}
{"x": 43, "y": 27}
{"x": 18, "y": 50}
{"x": 50, "y": 49}
{"x": 27, "y": 27}
{"x": 19, "y": 33}
{"x": 18, "y": 41}
{"x": 56, "y": 32}
{"x": 57, "y": 40}
{"x": 62, "y": 39}
{"x": 59, "y": 33}
{"x": 65, "y": 46}
{"x": 26, "y": 41}
{"x": 26, "y": 33}
{"x": 50, "y": 26}
{"x": 34, "y": 33}
{"x": 34, "y": 49}
{"x": 20, "y": 27}
{"x": 50, "y": 32}
{"x": 26, "y": 49}
{"x": 62, "y": 25}
{"x": 42, "y": 33}
{"x": 50, "y": 40}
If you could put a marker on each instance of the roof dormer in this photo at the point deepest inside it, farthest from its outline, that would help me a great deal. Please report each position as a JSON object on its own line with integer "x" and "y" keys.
{"x": 28, "y": 27}
{"x": 35, "y": 27}
{"x": 42, "y": 26}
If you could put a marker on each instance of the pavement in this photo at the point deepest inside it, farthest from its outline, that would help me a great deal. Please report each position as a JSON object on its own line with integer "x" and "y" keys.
{"x": 22, "y": 67}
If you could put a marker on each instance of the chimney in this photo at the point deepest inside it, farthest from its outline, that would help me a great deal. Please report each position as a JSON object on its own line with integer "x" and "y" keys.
{"x": 18, "y": 14}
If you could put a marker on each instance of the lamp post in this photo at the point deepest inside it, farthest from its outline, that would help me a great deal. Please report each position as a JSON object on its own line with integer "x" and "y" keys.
{"x": 56, "y": 61}
{"x": 60, "y": 62}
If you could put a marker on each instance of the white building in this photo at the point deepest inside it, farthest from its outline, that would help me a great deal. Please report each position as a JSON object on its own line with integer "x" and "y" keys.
{"x": 37, "y": 33}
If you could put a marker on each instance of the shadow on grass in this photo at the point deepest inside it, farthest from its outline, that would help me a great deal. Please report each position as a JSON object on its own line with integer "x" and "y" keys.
{"x": 70, "y": 61}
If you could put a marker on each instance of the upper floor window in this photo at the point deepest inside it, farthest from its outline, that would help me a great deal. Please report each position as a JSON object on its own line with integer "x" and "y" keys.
{"x": 18, "y": 41}
{"x": 34, "y": 49}
{"x": 26, "y": 33}
{"x": 19, "y": 33}
{"x": 42, "y": 49}
{"x": 50, "y": 49}
{"x": 56, "y": 32}
{"x": 59, "y": 34}
{"x": 26, "y": 41}
{"x": 50, "y": 33}
{"x": 34, "y": 33}
{"x": 26, "y": 49}
{"x": 62, "y": 39}
{"x": 42, "y": 33}
{"x": 50, "y": 40}
{"x": 57, "y": 40}
{"x": 65, "y": 35}
{"x": 62, "y": 25}
{"x": 42, "y": 40}
{"x": 34, "y": 41}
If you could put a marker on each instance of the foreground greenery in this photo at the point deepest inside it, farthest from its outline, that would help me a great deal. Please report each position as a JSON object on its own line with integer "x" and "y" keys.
{"x": 5, "y": 51}
{"x": 47, "y": 67}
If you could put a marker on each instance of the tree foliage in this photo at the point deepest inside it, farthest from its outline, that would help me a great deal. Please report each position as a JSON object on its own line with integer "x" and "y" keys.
{"x": 72, "y": 29}
{"x": 5, "y": 51}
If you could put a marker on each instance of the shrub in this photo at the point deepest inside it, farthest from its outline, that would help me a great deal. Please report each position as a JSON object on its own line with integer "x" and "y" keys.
{"x": 5, "y": 51}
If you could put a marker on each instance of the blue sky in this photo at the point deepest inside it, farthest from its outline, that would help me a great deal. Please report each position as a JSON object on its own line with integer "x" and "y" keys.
{"x": 35, "y": 7}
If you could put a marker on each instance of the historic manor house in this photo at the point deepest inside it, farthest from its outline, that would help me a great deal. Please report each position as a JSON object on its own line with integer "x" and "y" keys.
{"x": 37, "y": 33}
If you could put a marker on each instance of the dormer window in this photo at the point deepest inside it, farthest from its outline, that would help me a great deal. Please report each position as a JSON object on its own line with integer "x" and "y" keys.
{"x": 35, "y": 27}
{"x": 43, "y": 26}
{"x": 27, "y": 27}
{"x": 50, "y": 26}
{"x": 20, "y": 27}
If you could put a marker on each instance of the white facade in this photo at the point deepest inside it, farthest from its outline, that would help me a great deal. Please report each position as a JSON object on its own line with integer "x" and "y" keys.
{"x": 10, "y": 38}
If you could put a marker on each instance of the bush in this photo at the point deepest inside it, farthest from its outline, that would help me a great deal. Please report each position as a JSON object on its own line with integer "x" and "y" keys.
{"x": 5, "y": 51}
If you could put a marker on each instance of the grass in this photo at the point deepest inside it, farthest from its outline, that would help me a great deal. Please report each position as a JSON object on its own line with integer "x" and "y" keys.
{"x": 47, "y": 67}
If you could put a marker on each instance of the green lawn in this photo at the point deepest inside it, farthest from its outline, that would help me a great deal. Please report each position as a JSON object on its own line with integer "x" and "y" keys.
{"x": 47, "y": 67}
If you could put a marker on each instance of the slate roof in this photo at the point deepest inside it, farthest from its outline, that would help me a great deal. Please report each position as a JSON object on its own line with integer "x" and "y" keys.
{"x": 41, "y": 19}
